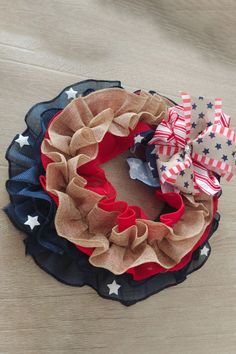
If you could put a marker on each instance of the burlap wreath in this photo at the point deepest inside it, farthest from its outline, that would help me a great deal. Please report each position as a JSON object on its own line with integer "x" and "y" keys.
{"x": 74, "y": 137}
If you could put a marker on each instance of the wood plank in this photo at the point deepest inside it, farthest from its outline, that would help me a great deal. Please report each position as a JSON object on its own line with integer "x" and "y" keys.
{"x": 161, "y": 45}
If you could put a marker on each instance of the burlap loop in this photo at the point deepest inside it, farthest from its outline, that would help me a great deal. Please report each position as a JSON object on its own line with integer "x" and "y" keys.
{"x": 73, "y": 141}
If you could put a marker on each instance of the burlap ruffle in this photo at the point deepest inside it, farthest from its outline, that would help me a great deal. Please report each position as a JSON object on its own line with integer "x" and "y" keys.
{"x": 73, "y": 141}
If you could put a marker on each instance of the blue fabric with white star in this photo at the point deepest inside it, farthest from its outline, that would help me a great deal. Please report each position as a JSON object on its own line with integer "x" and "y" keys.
{"x": 147, "y": 172}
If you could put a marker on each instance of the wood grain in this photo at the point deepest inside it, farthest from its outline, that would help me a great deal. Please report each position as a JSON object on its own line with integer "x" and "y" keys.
{"x": 162, "y": 45}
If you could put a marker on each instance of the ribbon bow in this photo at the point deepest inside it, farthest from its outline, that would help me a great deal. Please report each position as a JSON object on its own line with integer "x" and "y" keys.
{"x": 193, "y": 146}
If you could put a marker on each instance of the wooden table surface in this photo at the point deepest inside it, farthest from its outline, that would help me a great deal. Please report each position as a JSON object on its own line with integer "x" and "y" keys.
{"x": 162, "y": 45}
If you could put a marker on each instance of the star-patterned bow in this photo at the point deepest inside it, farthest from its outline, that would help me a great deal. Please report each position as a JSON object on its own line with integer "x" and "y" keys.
{"x": 193, "y": 145}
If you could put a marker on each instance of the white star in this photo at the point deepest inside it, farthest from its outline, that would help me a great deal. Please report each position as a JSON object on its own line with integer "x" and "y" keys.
{"x": 22, "y": 140}
{"x": 204, "y": 251}
{"x": 32, "y": 221}
{"x": 113, "y": 288}
{"x": 149, "y": 165}
{"x": 71, "y": 93}
{"x": 138, "y": 139}
{"x": 153, "y": 151}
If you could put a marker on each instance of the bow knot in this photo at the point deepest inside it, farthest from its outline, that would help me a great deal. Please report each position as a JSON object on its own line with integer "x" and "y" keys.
{"x": 194, "y": 145}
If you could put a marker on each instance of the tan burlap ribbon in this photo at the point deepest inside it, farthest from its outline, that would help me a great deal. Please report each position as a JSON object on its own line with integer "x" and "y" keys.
{"x": 73, "y": 141}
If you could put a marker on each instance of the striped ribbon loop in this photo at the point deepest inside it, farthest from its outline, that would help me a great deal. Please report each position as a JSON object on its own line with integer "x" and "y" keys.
{"x": 189, "y": 157}
{"x": 187, "y": 113}
{"x": 218, "y": 110}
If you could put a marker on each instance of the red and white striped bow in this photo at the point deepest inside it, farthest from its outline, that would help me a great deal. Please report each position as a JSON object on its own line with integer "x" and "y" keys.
{"x": 194, "y": 142}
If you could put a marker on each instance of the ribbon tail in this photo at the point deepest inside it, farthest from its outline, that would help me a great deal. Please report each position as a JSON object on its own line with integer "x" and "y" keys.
{"x": 170, "y": 174}
{"x": 206, "y": 181}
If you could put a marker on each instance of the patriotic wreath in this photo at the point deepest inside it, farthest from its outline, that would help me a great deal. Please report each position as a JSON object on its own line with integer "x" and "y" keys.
{"x": 77, "y": 230}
